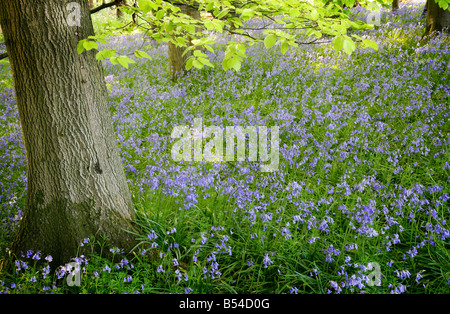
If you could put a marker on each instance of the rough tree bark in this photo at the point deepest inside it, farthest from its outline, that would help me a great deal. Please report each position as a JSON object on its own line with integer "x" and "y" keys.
{"x": 76, "y": 182}
{"x": 176, "y": 58}
{"x": 437, "y": 18}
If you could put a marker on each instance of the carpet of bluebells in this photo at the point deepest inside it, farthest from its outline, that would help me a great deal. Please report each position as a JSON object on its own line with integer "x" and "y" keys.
{"x": 361, "y": 193}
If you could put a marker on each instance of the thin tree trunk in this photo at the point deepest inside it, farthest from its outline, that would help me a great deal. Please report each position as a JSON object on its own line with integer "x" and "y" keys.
{"x": 395, "y": 5}
{"x": 91, "y": 4}
{"x": 176, "y": 58}
{"x": 437, "y": 18}
{"x": 119, "y": 13}
{"x": 76, "y": 183}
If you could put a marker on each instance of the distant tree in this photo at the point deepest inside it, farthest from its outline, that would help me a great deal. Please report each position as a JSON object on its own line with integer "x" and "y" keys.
{"x": 119, "y": 12}
{"x": 177, "y": 57}
{"x": 395, "y": 5}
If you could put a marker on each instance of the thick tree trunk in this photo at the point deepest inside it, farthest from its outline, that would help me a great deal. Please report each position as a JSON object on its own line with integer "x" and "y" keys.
{"x": 76, "y": 183}
{"x": 176, "y": 58}
{"x": 437, "y": 18}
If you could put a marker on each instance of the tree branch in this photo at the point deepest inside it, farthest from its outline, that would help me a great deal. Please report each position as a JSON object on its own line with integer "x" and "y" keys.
{"x": 3, "y": 55}
{"x": 103, "y": 6}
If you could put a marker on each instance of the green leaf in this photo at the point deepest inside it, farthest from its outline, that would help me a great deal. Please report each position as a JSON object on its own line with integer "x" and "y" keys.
{"x": 314, "y": 15}
{"x": 341, "y": 29}
{"x": 181, "y": 41}
{"x": 142, "y": 54}
{"x": 284, "y": 47}
{"x": 145, "y": 5}
{"x": 209, "y": 25}
{"x": 197, "y": 64}
{"x": 236, "y": 21}
{"x": 247, "y": 14}
{"x": 124, "y": 61}
{"x": 270, "y": 41}
{"x": 187, "y": 49}
{"x": 105, "y": 54}
{"x": 209, "y": 48}
{"x": 205, "y": 62}
{"x": 370, "y": 44}
{"x": 160, "y": 14}
{"x": 338, "y": 43}
{"x": 222, "y": 14}
{"x": 198, "y": 53}
{"x": 235, "y": 63}
{"x": 89, "y": 45}
{"x": 113, "y": 60}
{"x": 99, "y": 38}
{"x": 294, "y": 12}
{"x": 189, "y": 63}
{"x": 80, "y": 46}
{"x": 349, "y": 46}
{"x": 209, "y": 6}
{"x": 443, "y": 4}
{"x": 218, "y": 25}
{"x": 225, "y": 64}
{"x": 240, "y": 51}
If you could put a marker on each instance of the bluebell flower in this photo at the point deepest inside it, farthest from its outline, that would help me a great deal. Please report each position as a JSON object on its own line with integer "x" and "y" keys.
{"x": 336, "y": 287}
{"x": 403, "y": 274}
{"x": 107, "y": 269}
{"x": 85, "y": 241}
{"x": 128, "y": 279}
{"x": 152, "y": 235}
{"x": 266, "y": 260}
{"x": 45, "y": 271}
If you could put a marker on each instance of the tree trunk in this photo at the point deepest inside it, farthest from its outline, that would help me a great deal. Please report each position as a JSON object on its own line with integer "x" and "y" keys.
{"x": 76, "y": 183}
{"x": 437, "y": 18}
{"x": 176, "y": 58}
{"x": 119, "y": 13}
{"x": 395, "y": 5}
{"x": 91, "y": 4}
